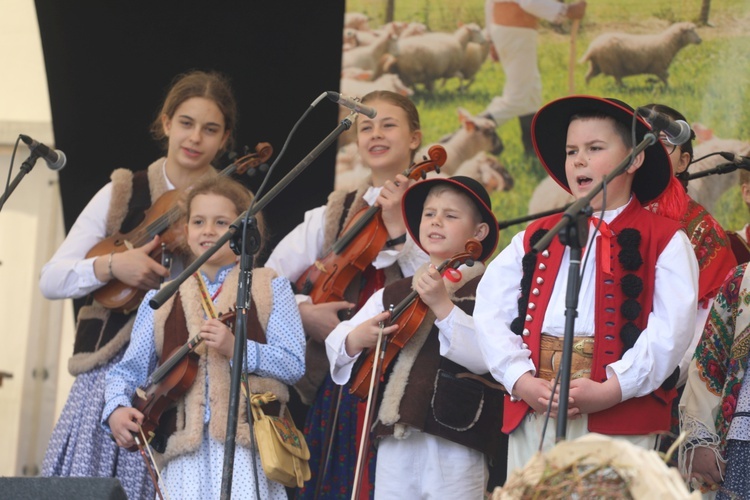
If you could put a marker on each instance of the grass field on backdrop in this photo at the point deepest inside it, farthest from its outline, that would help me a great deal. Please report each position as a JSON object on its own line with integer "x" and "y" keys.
{"x": 709, "y": 83}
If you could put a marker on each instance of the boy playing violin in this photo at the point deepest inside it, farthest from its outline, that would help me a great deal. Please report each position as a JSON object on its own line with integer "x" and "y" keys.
{"x": 435, "y": 419}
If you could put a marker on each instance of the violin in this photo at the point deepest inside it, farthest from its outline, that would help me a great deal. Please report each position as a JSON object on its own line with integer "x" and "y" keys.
{"x": 158, "y": 218}
{"x": 361, "y": 241}
{"x": 409, "y": 315}
{"x": 170, "y": 381}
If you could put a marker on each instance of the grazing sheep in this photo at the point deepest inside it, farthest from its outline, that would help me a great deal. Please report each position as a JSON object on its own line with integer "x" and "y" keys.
{"x": 357, "y": 21}
{"x": 359, "y": 38}
{"x": 622, "y": 54}
{"x": 432, "y": 56}
{"x": 413, "y": 29}
{"x": 475, "y": 134}
{"x": 369, "y": 56}
{"x": 487, "y": 170}
{"x": 474, "y": 57}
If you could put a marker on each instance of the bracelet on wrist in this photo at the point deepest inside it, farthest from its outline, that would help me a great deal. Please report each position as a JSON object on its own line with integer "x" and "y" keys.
{"x": 396, "y": 241}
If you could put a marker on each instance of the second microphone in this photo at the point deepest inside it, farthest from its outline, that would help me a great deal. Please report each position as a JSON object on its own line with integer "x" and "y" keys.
{"x": 352, "y": 104}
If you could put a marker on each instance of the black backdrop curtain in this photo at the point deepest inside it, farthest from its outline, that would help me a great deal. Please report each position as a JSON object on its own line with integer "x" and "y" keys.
{"x": 109, "y": 64}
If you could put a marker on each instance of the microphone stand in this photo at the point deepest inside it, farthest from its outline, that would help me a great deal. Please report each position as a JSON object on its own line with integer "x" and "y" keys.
{"x": 243, "y": 295}
{"x": 573, "y": 231}
{"x": 526, "y": 218}
{"x": 724, "y": 168}
{"x": 25, "y": 168}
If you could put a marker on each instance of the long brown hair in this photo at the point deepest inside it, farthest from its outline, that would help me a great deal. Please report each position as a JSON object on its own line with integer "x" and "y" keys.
{"x": 210, "y": 85}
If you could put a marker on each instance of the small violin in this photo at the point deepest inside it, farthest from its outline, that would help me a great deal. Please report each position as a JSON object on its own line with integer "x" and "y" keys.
{"x": 170, "y": 381}
{"x": 158, "y": 218}
{"x": 409, "y": 315}
{"x": 361, "y": 241}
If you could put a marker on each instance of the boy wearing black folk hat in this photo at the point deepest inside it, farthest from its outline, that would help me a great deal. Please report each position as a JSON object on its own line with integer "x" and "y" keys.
{"x": 436, "y": 419}
{"x": 637, "y": 297}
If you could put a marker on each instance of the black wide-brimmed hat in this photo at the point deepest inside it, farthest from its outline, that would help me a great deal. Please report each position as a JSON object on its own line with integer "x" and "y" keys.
{"x": 414, "y": 198}
{"x": 549, "y": 132}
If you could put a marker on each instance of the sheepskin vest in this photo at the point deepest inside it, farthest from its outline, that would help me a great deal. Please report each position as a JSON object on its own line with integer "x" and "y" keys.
{"x": 174, "y": 324}
{"x": 101, "y": 333}
{"x": 426, "y": 391}
{"x": 341, "y": 209}
{"x": 623, "y": 303}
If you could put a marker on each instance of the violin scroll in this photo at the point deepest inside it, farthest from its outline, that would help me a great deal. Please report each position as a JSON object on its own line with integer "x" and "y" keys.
{"x": 437, "y": 158}
{"x": 263, "y": 151}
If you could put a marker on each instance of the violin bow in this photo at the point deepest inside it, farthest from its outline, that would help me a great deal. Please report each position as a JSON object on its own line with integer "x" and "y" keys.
{"x": 364, "y": 442}
{"x": 143, "y": 443}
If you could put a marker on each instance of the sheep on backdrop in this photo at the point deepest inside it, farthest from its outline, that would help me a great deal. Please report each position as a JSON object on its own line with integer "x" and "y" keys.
{"x": 474, "y": 57}
{"x": 487, "y": 170}
{"x": 357, "y": 21}
{"x": 432, "y": 56}
{"x": 623, "y": 54}
{"x": 475, "y": 134}
{"x": 370, "y": 57}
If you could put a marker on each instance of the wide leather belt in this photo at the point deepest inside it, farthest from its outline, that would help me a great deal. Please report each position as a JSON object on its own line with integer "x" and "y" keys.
{"x": 550, "y": 357}
{"x": 511, "y": 14}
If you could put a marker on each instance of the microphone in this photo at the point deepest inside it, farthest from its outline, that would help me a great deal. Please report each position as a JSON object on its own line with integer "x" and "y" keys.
{"x": 350, "y": 103}
{"x": 740, "y": 161}
{"x": 677, "y": 131}
{"x": 55, "y": 158}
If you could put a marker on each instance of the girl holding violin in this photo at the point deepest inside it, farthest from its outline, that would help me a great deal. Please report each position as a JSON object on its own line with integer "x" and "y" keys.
{"x": 435, "y": 415}
{"x": 195, "y": 124}
{"x": 275, "y": 356}
{"x": 386, "y": 144}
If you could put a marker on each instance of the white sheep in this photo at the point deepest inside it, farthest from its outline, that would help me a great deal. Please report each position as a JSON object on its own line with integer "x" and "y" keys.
{"x": 623, "y": 54}
{"x": 432, "y": 56}
{"x": 488, "y": 171}
{"x": 370, "y": 57}
{"x": 474, "y": 57}
{"x": 359, "y": 38}
{"x": 474, "y": 135}
{"x": 356, "y": 20}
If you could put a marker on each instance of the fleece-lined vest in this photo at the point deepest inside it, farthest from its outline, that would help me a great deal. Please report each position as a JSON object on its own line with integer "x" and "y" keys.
{"x": 101, "y": 333}
{"x": 175, "y": 323}
{"x": 341, "y": 209}
{"x": 623, "y": 303}
{"x": 426, "y": 391}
